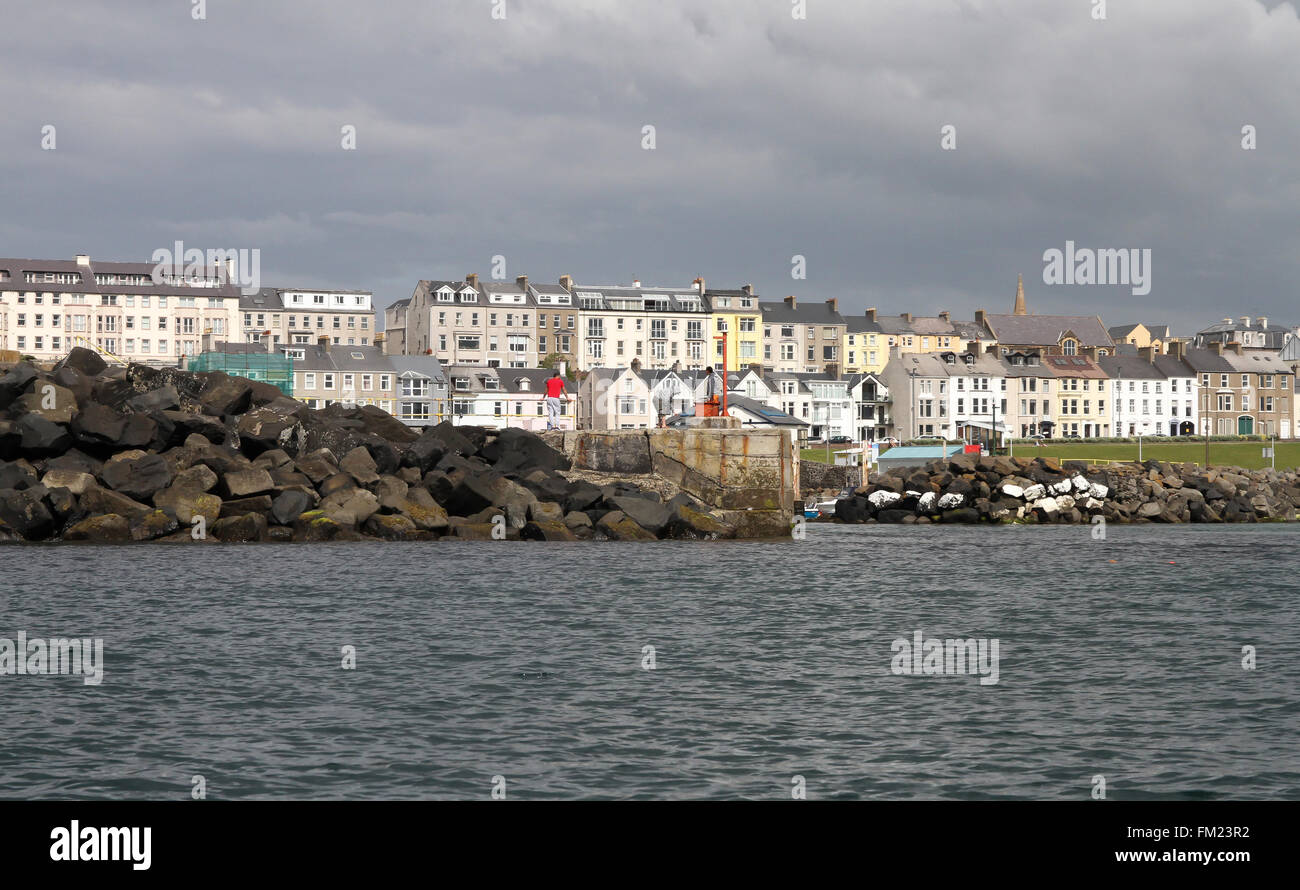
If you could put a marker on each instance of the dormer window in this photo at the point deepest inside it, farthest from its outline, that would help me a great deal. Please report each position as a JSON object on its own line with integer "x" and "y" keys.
{"x": 1069, "y": 347}
{"x": 523, "y": 384}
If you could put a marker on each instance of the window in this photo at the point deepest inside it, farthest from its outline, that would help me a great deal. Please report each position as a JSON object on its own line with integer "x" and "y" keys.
{"x": 309, "y": 381}
{"x": 385, "y": 382}
{"x": 467, "y": 341}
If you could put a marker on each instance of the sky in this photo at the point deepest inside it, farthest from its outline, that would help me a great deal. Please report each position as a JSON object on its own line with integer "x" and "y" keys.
{"x": 783, "y": 129}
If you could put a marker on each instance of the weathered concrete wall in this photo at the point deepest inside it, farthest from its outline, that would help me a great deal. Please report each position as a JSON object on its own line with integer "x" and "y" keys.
{"x": 751, "y": 474}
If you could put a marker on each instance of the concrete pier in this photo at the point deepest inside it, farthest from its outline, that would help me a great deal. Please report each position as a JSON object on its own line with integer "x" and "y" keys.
{"x": 752, "y": 475}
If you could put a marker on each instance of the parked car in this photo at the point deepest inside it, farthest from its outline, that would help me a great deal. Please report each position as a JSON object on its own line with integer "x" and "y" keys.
{"x": 841, "y": 440}
{"x": 1036, "y": 436}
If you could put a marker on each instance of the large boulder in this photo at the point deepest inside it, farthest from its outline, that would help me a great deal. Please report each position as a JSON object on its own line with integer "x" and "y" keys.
{"x": 185, "y": 502}
{"x": 86, "y": 361}
{"x": 247, "y": 482}
{"x": 14, "y": 383}
{"x": 55, "y": 403}
{"x": 73, "y": 480}
{"x": 650, "y": 515}
{"x": 289, "y": 505}
{"x": 107, "y": 529}
{"x": 617, "y": 526}
{"x": 98, "y": 425}
{"x": 546, "y": 530}
{"x": 223, "y": 394}
{"x": 97, "y": 500}
{"x": 42, "y": 437}
{"x": 25, "y": 512}
{"x": 238, "y": 529}
{"x": 138, "y": 479}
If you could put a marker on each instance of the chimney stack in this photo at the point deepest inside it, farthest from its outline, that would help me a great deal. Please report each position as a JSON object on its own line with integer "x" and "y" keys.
{"x": 472, "y": 279}
{"x": 563, "y": 367}
{"x": 945, "y": 316}
{"x": 834, "y": 303}
{"x": 522, "y": 281}
{"x": 1262, "y": 321}
{"x": 323, "y": 341}
{"x": 208, "y": 344}
{"x": 906, "y": 317}
{"x": 1148, "y": 353}
{"x": 1245, "y": 321}
{"x": 566, "y": 282}
{"x": 871, "y": 314}
{"x": 991, "y": 349}
{"x": 1235, "y": 346}
{"x": 1178, "y": 349}
{"x": 636, "y": 364}
{"x": 791, "y": 302}
{"x": 979, "y": 318}
{"x": 1216, "y": 347}
{"x": 833, "y": 371}
{"x": 699, "y": 285}
{"x": 381, "y": 342}
{"x": 270, "y": 342}
{"x": 83, "y": 259}
{"x": 636, "y": 282}
{"x": 748, "y": 289}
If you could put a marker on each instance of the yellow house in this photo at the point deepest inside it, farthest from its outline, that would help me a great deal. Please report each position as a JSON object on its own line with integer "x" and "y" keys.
{"x": 1142, "y": 335}
{"x": 1083, "y": 407}
{"x": 869, "y": 337}
{"x": 735, "y": 315}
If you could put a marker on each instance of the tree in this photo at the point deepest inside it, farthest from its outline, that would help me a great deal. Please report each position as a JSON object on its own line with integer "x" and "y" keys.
{"x": 571, "y": 369}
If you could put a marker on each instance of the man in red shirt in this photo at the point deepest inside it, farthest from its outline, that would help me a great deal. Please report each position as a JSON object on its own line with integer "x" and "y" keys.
{"x": 554, "y": 390}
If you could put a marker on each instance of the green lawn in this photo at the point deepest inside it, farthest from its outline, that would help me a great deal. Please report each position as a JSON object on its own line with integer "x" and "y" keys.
{"x": 1237, "y": 454}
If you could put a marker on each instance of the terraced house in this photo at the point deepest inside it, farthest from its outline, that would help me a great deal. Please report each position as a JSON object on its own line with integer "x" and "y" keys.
{"x": 869, "y": 338}
{"x": 804, "y": 337}
{"x": 738, "y": 318}
{"x": 1243, "y": 392}
{"x": 295, "y": 316}
{"x": 655, "y": 326}
{"x": 1031, "y": 390}
{"x": 49, "y": 306}
{"x": 1083, "y": 403}
{"x": 411, "y": 388}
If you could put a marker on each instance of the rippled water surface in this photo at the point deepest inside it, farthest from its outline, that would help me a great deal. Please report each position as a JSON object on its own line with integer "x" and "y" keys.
{"x": 1119, "y": 658}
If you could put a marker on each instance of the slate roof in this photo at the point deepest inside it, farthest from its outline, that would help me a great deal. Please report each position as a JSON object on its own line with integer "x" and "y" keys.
{"x": 1075, "y": 366}
{"x": 779, "y": 312}
{"x": 1046, "y": 330}
{"x": 773, "y": 416}
{"x": 17, "y": 269}
{"x": 1129, "y": 367}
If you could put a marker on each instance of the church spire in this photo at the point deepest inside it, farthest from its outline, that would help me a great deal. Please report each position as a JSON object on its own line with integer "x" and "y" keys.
{"x": 1020, "y": 297}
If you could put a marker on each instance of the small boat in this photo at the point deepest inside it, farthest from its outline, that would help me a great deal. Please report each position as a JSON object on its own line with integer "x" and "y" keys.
{"x": 814, "y": 509}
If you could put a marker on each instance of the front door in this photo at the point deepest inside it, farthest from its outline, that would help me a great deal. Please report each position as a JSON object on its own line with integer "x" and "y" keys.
{"x": 1245, "y": 425}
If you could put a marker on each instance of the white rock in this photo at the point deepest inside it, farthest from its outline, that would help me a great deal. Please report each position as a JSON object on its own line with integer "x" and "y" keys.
{"x": 1065, "y": 501}
{"x": 1092, "y": 504}
{"x": 1080, "y": 483}
{"x": 1012, "y": 491}
{"x": 1098, "y": 490}
{"x": 948, "y": 501}
{"x": 1063, "y": 487}
{"x": 1034, "y": 492}
{"x": 926, "y": 503}
{"x": 1047, "y": 505}
{"x": 883, "y": 498}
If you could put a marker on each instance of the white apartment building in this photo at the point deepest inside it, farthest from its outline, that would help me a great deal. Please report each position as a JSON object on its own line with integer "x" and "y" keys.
{"x": 655, "y": 326}
{"x": 49, "y": 306}
{"x": 291, "y": 316}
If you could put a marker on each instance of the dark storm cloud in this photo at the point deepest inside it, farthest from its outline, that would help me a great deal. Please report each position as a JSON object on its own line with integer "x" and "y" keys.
{"x": 775, "y": 137}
